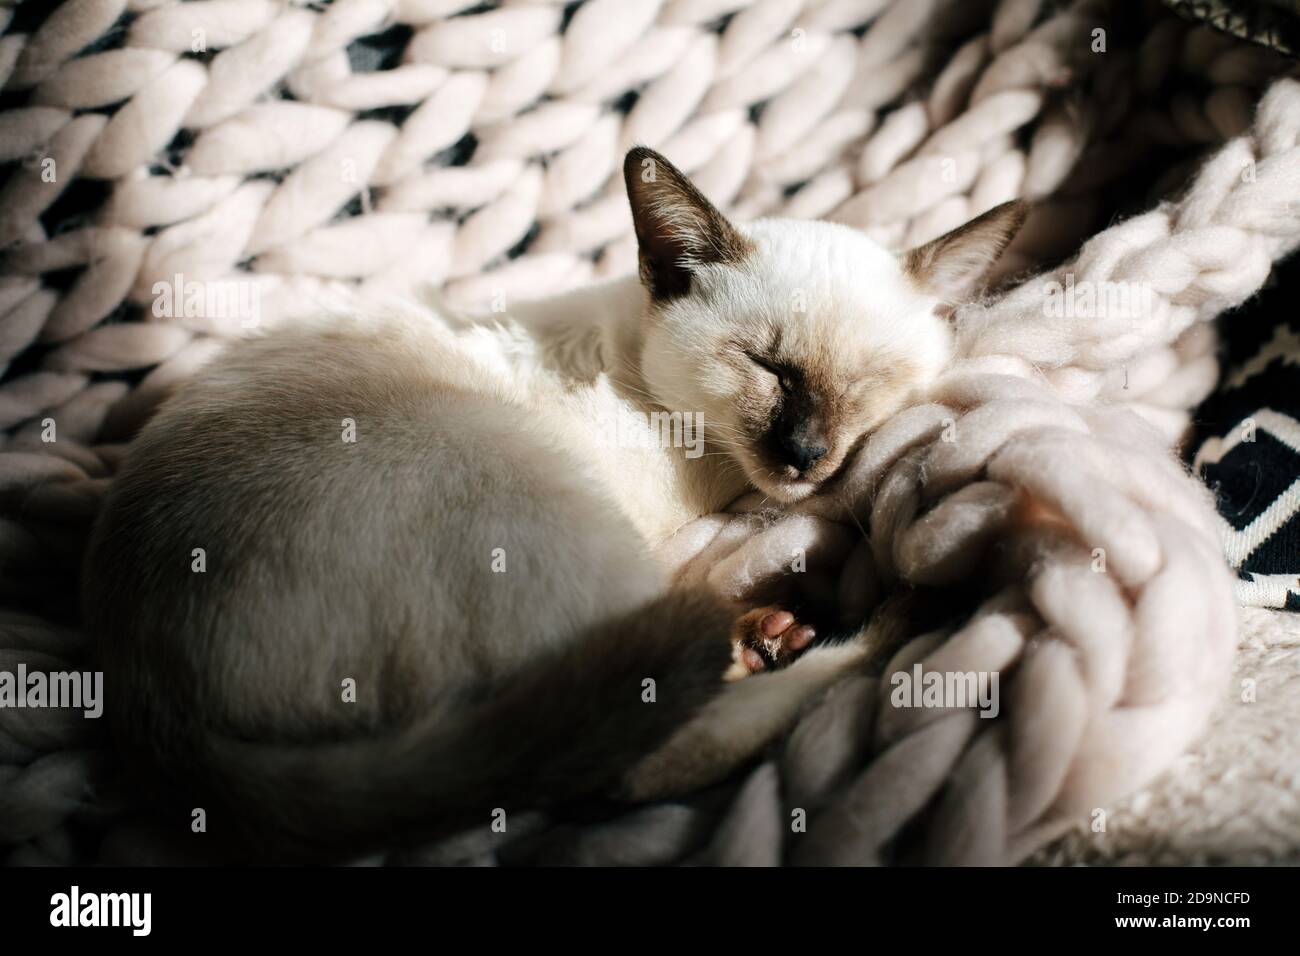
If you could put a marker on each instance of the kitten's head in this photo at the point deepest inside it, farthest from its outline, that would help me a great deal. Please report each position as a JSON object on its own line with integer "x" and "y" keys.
{"x": 793, "y": 338}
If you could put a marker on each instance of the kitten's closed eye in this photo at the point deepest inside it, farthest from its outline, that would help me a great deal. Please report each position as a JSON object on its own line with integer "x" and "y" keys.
{"x": 782, "y": 375}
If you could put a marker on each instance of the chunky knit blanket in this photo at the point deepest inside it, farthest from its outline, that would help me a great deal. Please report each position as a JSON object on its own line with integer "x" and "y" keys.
{"x": 182, "y": 173}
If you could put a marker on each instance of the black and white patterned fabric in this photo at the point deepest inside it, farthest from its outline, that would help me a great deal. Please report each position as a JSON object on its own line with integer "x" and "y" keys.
{"x": 1247, "y": 442}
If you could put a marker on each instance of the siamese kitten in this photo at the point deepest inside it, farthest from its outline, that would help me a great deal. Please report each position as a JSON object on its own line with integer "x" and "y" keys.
{"x": 369, "y": 579}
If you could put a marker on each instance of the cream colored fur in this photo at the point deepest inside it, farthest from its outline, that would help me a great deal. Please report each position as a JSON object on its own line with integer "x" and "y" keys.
{"x": 420, "y": 505}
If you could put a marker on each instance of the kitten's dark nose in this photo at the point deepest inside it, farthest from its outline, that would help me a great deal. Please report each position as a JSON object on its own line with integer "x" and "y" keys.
{"x": 802, "y": 449}
{"x": 798, "y": 436}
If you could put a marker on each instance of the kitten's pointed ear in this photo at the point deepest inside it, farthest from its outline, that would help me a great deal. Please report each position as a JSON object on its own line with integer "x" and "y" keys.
{"x": 953, "y": 265}
{"x": 677, "y": 229}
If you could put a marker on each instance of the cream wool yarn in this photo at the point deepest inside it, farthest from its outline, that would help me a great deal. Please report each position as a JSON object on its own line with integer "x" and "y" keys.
{"x": 933, "y": 113}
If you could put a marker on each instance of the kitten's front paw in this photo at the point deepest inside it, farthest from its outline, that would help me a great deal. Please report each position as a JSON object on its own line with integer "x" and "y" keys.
{"x": 767, "y": 637}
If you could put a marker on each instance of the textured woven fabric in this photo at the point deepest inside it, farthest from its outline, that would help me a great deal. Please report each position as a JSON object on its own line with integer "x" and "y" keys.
{"x": 1247, "y": 444}
{"x": 1273, "y": 23}
{"x": 379, "y": 146}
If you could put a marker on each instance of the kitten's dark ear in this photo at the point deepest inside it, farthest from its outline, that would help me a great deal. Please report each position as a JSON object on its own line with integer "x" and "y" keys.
{"x": 677, "y": 229}
{"x": 953, "y": 265}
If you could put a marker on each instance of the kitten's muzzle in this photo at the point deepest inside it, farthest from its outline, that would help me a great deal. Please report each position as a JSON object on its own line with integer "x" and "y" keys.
{"x": 798, "y": 440}
{"x": 802, "y": 456}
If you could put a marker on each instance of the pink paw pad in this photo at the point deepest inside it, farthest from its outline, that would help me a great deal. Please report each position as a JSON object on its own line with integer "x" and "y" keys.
{"x": 765, "y": 639}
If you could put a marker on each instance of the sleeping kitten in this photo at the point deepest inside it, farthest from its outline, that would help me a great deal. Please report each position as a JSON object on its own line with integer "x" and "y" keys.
{"x": 368, "y": 579}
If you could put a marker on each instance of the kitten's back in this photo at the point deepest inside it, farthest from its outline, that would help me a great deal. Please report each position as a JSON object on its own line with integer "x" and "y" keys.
{"x": 453, "y": 561}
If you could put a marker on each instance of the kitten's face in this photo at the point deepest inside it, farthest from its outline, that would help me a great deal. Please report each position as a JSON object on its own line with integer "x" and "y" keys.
{"x": 795, "y": 351}
{"x": 794, "y": 339}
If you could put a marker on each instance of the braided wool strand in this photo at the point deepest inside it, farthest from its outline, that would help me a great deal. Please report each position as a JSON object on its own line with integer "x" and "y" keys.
{"x": 785, "y": 110}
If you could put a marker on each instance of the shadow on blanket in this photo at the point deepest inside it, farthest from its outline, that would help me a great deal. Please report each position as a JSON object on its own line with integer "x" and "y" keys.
{"x": 1032, "y": 501}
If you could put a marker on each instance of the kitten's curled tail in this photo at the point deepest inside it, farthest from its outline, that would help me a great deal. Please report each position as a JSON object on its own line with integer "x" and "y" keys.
{"x": 565, "y": 726}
